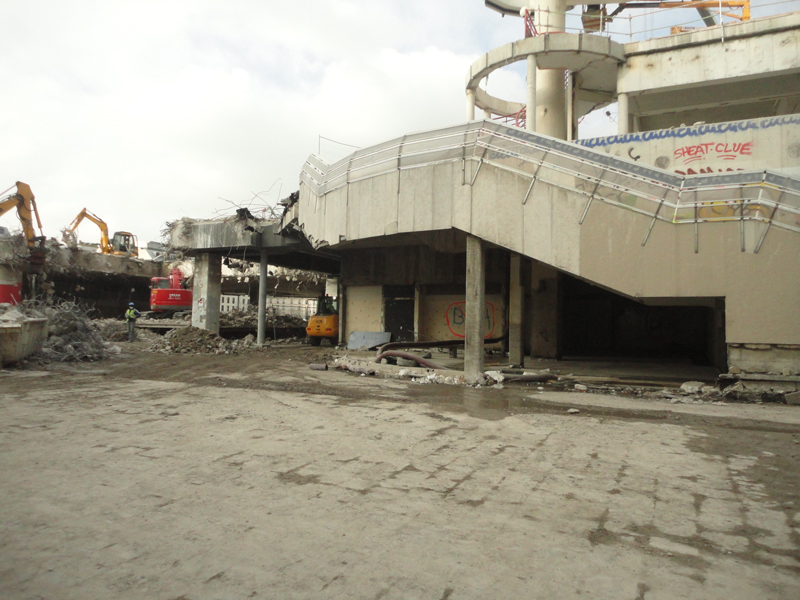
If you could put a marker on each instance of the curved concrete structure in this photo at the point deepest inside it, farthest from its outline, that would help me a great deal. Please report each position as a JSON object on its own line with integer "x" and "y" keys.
{"x": 593, "y": 58}
{"x": 640, "y": 231}
{"x": 512, "y": 7}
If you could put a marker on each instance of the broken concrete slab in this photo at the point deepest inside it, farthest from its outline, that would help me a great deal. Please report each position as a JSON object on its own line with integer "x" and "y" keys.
{"x": 793, "y": 398}
{"x": 368, "y": 339}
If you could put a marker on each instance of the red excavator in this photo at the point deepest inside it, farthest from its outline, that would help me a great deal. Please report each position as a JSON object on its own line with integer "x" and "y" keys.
{"x": 170, "y": 294}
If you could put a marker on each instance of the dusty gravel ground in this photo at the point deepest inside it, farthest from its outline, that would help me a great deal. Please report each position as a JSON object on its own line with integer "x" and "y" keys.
{"x": 224, "y": 477}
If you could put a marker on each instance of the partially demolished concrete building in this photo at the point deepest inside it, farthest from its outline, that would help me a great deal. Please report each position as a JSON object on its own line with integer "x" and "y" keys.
{"x": 104, "y": 281}
{"x": 669, "y": 240}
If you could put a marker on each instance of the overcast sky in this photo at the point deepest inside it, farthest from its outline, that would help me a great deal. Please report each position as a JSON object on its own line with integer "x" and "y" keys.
{"x": 145, "y": 112}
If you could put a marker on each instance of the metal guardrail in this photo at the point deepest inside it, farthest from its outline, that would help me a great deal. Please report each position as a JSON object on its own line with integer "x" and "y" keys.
{"x": 764, "y": 196}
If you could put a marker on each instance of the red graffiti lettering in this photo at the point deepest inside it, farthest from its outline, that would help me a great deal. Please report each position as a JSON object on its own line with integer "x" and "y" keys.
{"x": 704, "y": 171}
{"x": 722, "y": 150}
{"x": 455, "y": 316}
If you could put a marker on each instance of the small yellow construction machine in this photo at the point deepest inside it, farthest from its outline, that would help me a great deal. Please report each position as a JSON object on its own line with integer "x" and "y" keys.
{"x": 324, "y": 324}
{"x": 122, "y": 244}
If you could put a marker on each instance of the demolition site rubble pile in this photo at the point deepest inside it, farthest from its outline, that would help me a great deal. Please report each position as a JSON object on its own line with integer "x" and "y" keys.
{"x": 249, "y": 318}
{"x": 191, "y": 340}
{"x": 72, "y": 335}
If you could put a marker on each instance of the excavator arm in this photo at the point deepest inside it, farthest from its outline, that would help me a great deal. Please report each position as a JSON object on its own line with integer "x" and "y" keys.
{"x": 69, "y": 232}
{"x": 25, "y": 203}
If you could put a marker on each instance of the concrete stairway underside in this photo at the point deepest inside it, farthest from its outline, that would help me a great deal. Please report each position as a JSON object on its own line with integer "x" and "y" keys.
{"x": 638, "y": 230}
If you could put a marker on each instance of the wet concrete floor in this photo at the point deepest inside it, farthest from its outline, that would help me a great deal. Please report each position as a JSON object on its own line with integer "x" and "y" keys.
{"x": 201, "y": 477}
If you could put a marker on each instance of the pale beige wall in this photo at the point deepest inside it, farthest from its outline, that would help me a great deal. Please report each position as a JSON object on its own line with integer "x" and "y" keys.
{"x": 442, "y": 318}
{"x": 660, "y": 63}
{"x": 364, "y": 309}
{"x": 757, "y": 144}
{"x": 761, "y": 290}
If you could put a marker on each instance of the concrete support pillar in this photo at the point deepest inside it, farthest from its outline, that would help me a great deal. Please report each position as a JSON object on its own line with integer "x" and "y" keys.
{"x": 417, "y": 312}
{"x": 487, "y": 114}
{"x": 342, "y": 313}
{"x": 207, "y": 291}
{"x": 530, "y": 95}
{"x": 545, "y": 312}
{"x": 470, "y": 105}
{"x": 570, "y": 107}
{"x": 516, "y": 299}
{"x": 623, "y": 114}
{"x": 475, "y": 309}
{"x": 551, "y": 118}
{"x": 262, "y": 297}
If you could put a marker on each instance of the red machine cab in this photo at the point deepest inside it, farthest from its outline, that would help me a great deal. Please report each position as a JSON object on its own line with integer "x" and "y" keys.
{"x": 170, "y": 293}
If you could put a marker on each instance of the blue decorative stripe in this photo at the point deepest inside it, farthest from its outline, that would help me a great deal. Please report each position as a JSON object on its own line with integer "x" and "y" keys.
{"x": 682, "y": 132}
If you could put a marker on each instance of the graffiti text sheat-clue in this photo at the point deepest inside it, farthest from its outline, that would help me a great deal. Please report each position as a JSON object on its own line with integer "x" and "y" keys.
{"x": 456, "y": 319}
{"x": 722, "y": 150}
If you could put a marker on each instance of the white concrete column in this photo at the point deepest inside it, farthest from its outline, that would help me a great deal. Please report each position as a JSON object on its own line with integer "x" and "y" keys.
{"x": 568, "y": 97}
{"x": 530, "y": 95}
{"x": 487, "y": 114}
{"x": 470, "y": 105}
{"x": 262, "y": 297}
{"x": 516, "y": 299}
{"x": 551, "y": 118}
{"x": 475, "y": 309}
{"x": 623, "y": 114}
{"x": 207, "y": 291}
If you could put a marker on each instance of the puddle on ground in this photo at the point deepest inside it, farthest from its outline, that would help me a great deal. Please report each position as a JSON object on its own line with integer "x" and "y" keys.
{"x": 483, "y": 403}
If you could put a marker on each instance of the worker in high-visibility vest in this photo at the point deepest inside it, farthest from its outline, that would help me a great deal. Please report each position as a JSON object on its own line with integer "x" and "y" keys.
{"x": 130, "y": 317}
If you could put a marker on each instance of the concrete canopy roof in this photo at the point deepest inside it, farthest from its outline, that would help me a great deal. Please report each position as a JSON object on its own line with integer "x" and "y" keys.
{"x": 242, "y": 240}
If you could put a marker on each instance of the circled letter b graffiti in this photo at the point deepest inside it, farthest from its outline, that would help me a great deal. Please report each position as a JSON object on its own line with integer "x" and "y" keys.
{"x": 456, "y": 319}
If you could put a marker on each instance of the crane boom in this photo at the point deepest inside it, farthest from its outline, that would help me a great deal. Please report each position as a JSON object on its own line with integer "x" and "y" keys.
{"x": 25, "y": 203}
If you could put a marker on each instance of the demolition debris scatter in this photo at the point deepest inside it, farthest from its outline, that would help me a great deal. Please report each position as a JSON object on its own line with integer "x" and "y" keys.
{"x": 72, "y": 334}
{"x": 191, "y": 340}
{"x": 249, "y": 318}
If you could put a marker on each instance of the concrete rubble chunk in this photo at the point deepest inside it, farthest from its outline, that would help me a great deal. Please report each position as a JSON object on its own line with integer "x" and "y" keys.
{"x": 793, "y": 398}
{"x": 496, "y": 375}
{"x": 580, "y": 387}
{"x": 692, "y": 387}
{"x": 573, "y": 411}
{"x": 13, "y": 316}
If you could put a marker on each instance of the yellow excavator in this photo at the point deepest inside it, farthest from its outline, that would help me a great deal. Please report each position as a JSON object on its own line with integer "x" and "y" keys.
{"x": 25, "y": 203}
{"x": 123, "y": 243}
